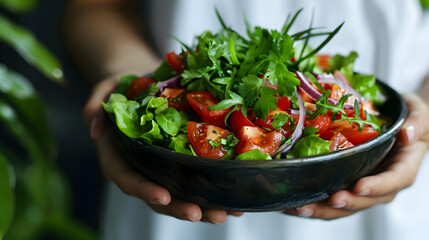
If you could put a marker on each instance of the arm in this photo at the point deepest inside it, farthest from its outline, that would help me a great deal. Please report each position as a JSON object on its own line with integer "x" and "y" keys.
{"x": 105, "y": 40}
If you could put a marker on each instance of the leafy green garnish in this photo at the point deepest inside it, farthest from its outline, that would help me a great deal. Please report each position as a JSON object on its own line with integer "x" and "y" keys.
{"x": 169, "y": 121}
{"x": 309, "y": 146}
{"x": 255, "y": 154}
{"x": 280, "y": 119}
{"x": 227, "y": 143}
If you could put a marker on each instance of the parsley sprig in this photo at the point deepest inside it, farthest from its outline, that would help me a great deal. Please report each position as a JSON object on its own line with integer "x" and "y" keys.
{"x": 234, "y": 68}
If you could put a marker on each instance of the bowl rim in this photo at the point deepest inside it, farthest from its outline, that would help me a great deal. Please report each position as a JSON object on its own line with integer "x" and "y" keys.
{"x": 289, "y": 161}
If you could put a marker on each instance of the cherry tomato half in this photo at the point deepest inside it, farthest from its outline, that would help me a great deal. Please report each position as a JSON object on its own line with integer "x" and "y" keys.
{"x": 139, "y": 85}
{"x": 176, "y": 98}
{"x": 200, "y": 135}
{"x": 339, "y": 141}
{"x": 200, "y": 101}
{"x": 237, "y": 120}
{"x": 352, "y": 133}
{"x": 321, "y": 122}
{"x": 175, "y": 62}
{"x": 258, "y": 138}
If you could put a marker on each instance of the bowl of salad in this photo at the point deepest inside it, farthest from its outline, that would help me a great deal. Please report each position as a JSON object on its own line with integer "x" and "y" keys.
{"x": 256, "y": 123}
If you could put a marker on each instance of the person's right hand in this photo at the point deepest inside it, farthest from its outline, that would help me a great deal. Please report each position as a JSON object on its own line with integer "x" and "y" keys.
{"x": 132, "y": 183}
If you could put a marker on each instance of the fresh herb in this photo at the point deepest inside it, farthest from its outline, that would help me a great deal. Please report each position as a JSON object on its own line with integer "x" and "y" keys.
{"x": 227, "y": 143}
{"x": 254, "y": 154}
{"x": 370, "y": 120}
{"x": 234, "y": 69}
{"x": 280, "y": 119}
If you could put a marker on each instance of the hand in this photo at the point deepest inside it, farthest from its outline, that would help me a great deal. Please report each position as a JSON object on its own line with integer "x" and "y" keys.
{"x": 397, "y": 172}
{"x": 132, "y": 183}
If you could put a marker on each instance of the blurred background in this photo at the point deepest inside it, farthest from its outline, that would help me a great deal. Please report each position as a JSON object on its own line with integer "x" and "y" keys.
{"x": 73, "y": 192}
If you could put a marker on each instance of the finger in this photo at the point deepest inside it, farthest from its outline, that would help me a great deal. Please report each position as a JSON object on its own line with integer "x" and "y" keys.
{"x": 235, "y": 213}
{"x": 320, "y": 210}
{"x": 214, "y": 216}
{"x": 400, "y": 173}
{"x": 348, "y": 201}
{"x": 416, "y": 126}
{"x": 130, "y": 182}
{"x": 99, "y": 94}
{"x": 180, "y": 209}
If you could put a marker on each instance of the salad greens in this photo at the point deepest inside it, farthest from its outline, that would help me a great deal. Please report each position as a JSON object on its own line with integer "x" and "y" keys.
{"x": 247, "y": 78}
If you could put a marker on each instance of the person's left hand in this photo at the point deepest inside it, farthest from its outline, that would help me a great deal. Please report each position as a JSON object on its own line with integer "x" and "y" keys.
{"x": 397, "y": 172}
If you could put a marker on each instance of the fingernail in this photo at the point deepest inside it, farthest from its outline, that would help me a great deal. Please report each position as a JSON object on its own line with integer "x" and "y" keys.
{"x": 410, "y": 131}
{"x": 306, "y": 212}
{"x": 157, "y": 201}
{"x": 93, "y": 127}
{"x": 340, "y": 204}
{"x": 364, "y": 192}
{"x": 188, "y": 218}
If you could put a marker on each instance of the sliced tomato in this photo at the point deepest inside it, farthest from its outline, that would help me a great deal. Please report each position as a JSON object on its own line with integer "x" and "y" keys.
{"x": 352, "y": 133}
{"x": 175, "y": 62}
{"x": 283, "y": 103}
{"x": 336, "y": 92}
{"x": 200, "y": 101}
{"x": 200, "y": 135}
{"x": 139, "y": 85}
{"x": 323, "y": 62}
{"x": 176, "y": 98}
{"x": 258, "y": 138}
{"x": 327, "y": 135}
{"x": 269, "y": 119}
{"x": 321, "y": 122}
{"x": 339, "y": 141}
{"x": 237, "y": 120}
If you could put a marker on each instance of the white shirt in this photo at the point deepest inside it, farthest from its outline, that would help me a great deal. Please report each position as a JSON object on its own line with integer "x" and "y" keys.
{"x": 391, "y": 37}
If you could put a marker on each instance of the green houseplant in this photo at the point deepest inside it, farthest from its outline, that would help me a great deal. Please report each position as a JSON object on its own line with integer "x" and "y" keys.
{"x": 34, "y": 199}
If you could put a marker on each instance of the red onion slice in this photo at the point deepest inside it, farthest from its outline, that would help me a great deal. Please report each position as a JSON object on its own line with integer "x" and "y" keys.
{"x": 299, "y": 130}
{"x": 170, "y": 83}
{"x": 329, "y": 79}
{"x": 314, "y": 94}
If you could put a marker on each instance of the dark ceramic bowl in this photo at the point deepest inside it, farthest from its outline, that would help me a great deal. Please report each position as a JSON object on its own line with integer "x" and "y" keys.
{"x": 263, "y": 185}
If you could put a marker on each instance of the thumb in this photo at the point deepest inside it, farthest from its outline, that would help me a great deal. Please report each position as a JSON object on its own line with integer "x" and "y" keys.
{"x": 416, "y": 126}
{"x": 93, "y": 110}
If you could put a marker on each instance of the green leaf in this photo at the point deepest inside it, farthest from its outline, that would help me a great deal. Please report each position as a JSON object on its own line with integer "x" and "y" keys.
{"x": 368, "y": 87}
{"x": 249, "y": 88}
{"x": 310, "y": 130}
{"x": 128, "y": 118}
{"x": 318, "y": 48}
{"x": 309, "y": 146}
{"x": 233, "y": 99}
{"x": 164, "y": 72}
{"x": 343, "y": 64}
{"x": 159, "y": 104}
{"x": 265, "y": 102}
{"x": 169, "y": 121}
{"x": 7, "y": 202}
{"x": 255, "y": 154}
{"x": 18, "y": 92}
{"x": 152, "y": 133}
{"x": 19, "y": 6}
{"x": 180, "y": 144}
{"x": 285, "y": 79}
{"x": 114, "y": 97}
{"x": 280, "y": 119}
{"x": 26, "y": 44}
{"x": 425, "y": 4}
